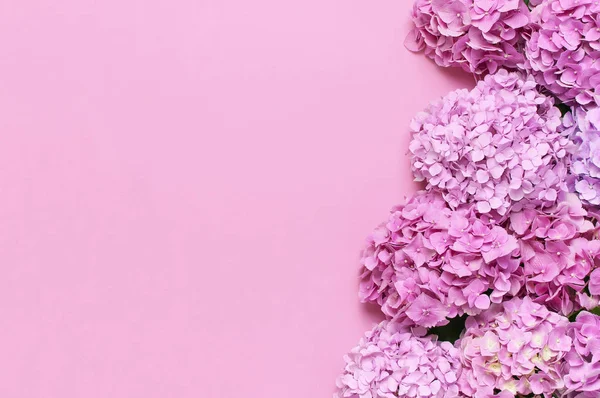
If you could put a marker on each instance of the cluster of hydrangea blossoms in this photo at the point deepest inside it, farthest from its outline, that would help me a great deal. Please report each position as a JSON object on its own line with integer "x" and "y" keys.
{"x": 506, "y": 231}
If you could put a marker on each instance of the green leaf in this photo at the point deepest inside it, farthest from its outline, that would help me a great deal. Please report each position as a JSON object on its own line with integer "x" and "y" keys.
{"x": 450, "y": 332}
{"x": 596, "y": 311}
{"x": 573, "y": 316}
{"x": 564, "y": 109}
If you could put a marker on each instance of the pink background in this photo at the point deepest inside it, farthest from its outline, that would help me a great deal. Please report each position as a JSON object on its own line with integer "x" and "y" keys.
{"x": 185, "y": 187}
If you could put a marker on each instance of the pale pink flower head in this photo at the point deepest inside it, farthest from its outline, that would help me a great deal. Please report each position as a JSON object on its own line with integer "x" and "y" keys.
{"x": 479, "y": 36}
{"x": 517, "y": 346}
{"x": 563, "y": 49}
{"x": 493, "y": 146}
{"x": 393, "y": 361}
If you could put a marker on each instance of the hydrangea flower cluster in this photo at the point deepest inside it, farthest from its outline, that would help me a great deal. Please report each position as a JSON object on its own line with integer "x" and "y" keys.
{"x": 518, "y": 346}
{"x": 492, "y": 146}
{"x": 584, "y": 129}
{"x": 557, "y": 252}
{"x": 433, "y": 263}
{"x": 479, "y": 36}
{"x": 393, "y": 361}
{"x": 500, "y": 253}
{"x": 563, "y": 49}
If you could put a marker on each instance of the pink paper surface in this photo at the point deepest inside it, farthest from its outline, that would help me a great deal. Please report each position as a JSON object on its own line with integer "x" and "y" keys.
{"x": 186, "y": 186}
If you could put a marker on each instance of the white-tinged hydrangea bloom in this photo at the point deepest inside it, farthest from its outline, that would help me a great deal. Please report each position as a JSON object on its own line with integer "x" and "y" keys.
{"x": 518, "y": 346}
{"x": 393, "y": 361}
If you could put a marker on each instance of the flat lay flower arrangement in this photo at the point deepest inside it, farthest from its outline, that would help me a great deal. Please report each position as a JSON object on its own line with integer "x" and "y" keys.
{"x": 489, "y": 277}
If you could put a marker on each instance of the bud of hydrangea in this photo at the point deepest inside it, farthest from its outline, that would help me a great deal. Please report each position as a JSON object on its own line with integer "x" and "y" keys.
{"x": 563, "y": 50}
{"x": 434, "y": 263}
{"x": 392, "y": 361}
{"x": 479, "y": 36}
{"x": 583, "y": 127}
{"x": 492, "y": 146}
{"x": 518, "y": 347}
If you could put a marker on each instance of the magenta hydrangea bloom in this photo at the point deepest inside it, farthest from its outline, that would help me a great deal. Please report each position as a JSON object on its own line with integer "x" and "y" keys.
{"x": 492, "y": 146}
{"x": 392, "y": 361}
{"x": 558, "y": 249}
{"x": 587, "y": 394}
{"x": 479, "y": 36}
{"x": 434, "y": 263}
{"x": 563, "y": 50}
{"x": 584, "y": 129}
{"x": 582, "y": 371}
{"x": 518, "y": 347}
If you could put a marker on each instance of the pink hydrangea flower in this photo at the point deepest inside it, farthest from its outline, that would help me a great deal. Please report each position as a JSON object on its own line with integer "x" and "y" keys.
{"x": 563, "y": 50}
{"x": 582, "y": 373}
{"x": 517, "y": 346}
{"x": 594, "y": 283}
{"x": 392, "y": 361}
{"x": 434, "y": 263}
{"x": 427, "y": 311}
{"x": 558, "y": 249}
{"x": 479, "y": 36}
{"x": 492, "y": 146}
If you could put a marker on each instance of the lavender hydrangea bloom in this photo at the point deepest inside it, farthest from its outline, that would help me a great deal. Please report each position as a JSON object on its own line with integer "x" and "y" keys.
{"x": 584, "y": 129}
{"x": 479, "y": 36}
{"x": 582, "y": 373}
{"x": 392, "y": 361}
{"x": 492, "y": 146}
{"x": 558, "y": 250}
{"x": 563, "y": 50}
{"x": 518, "y": 347}
{"x": 436, "y": 263}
